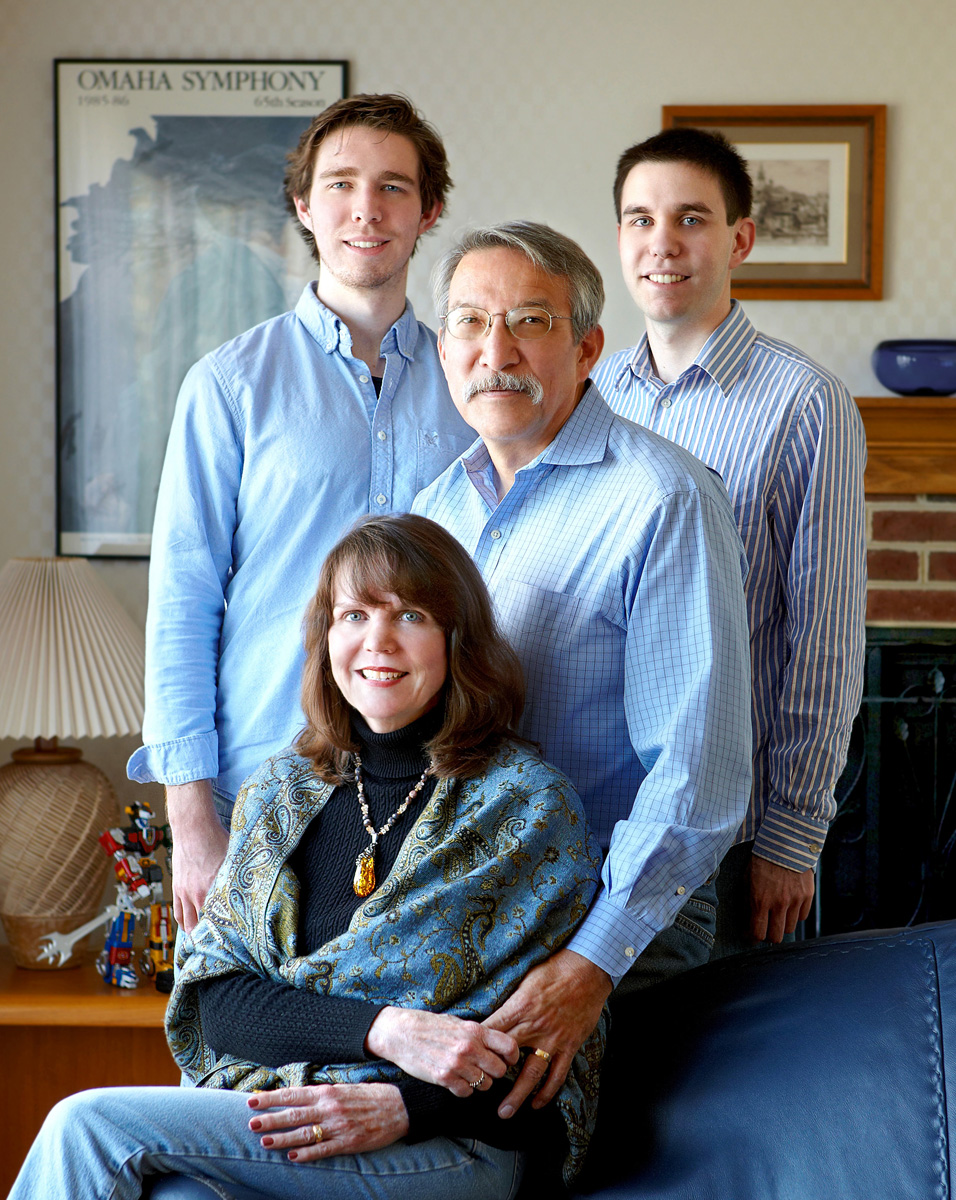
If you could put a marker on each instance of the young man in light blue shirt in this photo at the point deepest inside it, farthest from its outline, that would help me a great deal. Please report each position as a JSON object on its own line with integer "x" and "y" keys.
{"x": 615, "y": 567}
{"x": 787, "y": 440}
{"x": 281, "y": 439}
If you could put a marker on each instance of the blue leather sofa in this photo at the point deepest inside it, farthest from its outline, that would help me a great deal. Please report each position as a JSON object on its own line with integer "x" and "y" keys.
{"x": 821, "y": 1071}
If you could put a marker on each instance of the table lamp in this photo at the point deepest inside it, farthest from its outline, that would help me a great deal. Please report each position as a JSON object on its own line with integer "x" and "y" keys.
{"x": 71, "y": 665}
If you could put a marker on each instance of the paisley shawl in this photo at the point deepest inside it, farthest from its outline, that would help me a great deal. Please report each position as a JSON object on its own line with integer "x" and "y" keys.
{"x": 493, "y": 879}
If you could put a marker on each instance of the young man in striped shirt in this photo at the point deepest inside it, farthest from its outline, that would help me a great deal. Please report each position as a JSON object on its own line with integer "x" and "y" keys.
{"x": 787, "y": 439}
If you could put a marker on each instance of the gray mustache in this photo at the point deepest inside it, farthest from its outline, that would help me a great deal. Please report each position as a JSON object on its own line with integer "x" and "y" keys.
{"x": 502, "y": 381}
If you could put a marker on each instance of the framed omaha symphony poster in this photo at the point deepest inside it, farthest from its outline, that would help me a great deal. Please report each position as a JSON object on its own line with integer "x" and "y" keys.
{"x": 172, "y": 236}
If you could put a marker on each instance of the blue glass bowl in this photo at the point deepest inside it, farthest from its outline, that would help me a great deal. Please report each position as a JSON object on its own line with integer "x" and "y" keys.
{"x": 923, "y": 367}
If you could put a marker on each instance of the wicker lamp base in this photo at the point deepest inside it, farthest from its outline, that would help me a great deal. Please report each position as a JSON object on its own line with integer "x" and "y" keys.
{"x": 53, "y": 872}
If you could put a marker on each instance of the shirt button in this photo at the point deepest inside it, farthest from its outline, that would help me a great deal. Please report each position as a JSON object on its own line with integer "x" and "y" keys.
{"x": 382, "y": 435}
{"x": 681, "y": 890}
{"x": 363, "y": 379}
{"x": 628, "y": 951}
{"x": 814, "y": 848}
{"x": 665, "y": 403}
{"x": 380, "y": 498}
{"x": 496, "y": 533}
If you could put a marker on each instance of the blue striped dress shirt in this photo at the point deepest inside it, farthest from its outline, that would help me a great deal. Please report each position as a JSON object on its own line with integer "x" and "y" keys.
{"x": 615, "y": 567}
{"x": 788, "y": 441}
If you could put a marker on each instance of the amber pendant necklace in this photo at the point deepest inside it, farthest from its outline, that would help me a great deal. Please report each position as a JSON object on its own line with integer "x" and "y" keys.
{"x": 363, "y": 881}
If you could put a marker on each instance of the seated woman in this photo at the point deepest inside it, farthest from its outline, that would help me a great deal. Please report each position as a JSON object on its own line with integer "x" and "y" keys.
{"x": 388, "y": 884}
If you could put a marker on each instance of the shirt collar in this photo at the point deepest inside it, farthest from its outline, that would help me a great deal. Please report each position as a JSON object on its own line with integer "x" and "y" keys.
{"x": 333, "y": 334}
{"x": 583, "y": 436}
{"x": 581, "y": 439}
{"x": 722, "y": 356}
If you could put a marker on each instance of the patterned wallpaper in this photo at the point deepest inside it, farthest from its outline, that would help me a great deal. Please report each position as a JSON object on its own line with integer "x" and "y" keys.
{"x": 535, "y": 102}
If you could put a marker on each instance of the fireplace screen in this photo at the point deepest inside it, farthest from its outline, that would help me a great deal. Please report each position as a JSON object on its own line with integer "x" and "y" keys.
{"x": 889, "y": 857}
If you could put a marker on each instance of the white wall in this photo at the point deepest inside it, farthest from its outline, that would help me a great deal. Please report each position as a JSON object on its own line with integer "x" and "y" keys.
{"x": 594, "y": 77}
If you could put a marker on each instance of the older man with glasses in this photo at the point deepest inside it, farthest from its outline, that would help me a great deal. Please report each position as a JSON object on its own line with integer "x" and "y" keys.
{"x": 616, "y": 568}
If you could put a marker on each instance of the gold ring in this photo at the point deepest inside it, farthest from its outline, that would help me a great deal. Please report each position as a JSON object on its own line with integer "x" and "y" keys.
{"x": 317, "y": 1134}
{"x": 479, "y": 1081}
{"x": 543, "y": 1054}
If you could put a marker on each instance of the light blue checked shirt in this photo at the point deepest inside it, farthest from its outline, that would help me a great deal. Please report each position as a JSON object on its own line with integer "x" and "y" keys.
{"x": 615, "y": 567}
{"x": 278, "y": 445}
{"x": 788, "y": 442}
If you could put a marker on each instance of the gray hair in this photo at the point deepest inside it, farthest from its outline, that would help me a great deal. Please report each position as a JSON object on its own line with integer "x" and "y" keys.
{"x": 550, "y": 252}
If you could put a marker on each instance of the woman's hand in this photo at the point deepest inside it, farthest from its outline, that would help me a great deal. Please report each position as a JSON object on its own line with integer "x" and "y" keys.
{"x": 328, "y": 1119}
{"x": 441, "y": 1049}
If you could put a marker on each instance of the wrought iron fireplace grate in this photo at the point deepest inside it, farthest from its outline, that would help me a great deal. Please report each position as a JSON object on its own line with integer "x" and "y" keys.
{"x": 890, "y": 856}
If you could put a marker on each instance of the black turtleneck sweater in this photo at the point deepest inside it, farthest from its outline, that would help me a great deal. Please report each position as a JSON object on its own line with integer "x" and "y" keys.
{"x": 272, "y": 1023}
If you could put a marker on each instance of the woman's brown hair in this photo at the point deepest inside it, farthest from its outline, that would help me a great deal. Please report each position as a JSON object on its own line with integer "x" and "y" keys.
{"x": 418, "y": 561}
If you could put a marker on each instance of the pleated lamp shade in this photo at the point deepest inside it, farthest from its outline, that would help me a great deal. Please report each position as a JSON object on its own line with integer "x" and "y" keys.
{"x": 71, "y": 659}
{"x": 71, "y": 665}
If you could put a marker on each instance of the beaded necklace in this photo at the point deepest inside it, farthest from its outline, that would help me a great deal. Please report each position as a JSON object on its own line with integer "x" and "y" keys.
{"x": 363, "y": 882}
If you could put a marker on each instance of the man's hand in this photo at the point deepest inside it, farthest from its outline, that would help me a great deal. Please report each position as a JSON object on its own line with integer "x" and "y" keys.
{"x": 555, "y": 1008}
{"x": 441, "y": 1049}
{"x": 199, "y": 846}
{"x": 779, "y": 898}
{"x": 329, "y": 1119}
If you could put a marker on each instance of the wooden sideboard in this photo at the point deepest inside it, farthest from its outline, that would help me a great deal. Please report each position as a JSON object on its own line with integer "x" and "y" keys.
{"x": 911, "y": 444}
{"x": 62, "y": 1031}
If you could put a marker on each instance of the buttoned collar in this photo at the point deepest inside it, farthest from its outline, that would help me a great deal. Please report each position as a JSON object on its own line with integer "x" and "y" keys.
{"x": 722, "y": 356}
{"x": 332, "y": 334}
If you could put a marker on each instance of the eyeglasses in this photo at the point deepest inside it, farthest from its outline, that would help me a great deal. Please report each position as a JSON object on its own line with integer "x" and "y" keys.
{"x": 528, "y": 322}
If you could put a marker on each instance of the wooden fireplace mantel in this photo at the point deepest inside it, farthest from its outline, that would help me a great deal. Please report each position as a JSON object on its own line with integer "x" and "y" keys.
{"x": 911, "y": 444}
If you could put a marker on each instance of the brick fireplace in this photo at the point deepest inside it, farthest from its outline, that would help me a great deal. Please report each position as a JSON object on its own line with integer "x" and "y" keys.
{"x": 911, "y": 557}
{"x": 911, "y": 510}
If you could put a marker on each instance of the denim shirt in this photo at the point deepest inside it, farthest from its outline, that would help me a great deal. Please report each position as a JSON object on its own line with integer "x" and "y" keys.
{"x": 278, "y": 445}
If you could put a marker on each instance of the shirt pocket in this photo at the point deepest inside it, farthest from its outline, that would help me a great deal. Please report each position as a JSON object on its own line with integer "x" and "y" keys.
{"x": 436, "y": 451}
{"x": 544, "y": 628}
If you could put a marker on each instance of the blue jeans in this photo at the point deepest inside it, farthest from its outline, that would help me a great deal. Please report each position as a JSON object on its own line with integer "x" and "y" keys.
{"x": 686, "y": 944}
{"x": 101, "y": 1144}
{"x": 224, "y": 809}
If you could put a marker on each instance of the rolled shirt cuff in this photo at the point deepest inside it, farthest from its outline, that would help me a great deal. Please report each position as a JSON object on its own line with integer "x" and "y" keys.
{"x": 182, "y": 760}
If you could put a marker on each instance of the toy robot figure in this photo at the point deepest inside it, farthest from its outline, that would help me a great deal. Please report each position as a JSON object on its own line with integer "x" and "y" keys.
{"x": 138, "y": 877}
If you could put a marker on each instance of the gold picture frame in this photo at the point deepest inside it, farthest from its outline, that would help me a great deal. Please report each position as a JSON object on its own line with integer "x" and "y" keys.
{"x": 819, "y": 175}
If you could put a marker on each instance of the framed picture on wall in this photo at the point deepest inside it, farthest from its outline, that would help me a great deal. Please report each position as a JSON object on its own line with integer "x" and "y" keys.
{"x": 818, "y": 173}
{"x": 172, "y": 237}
